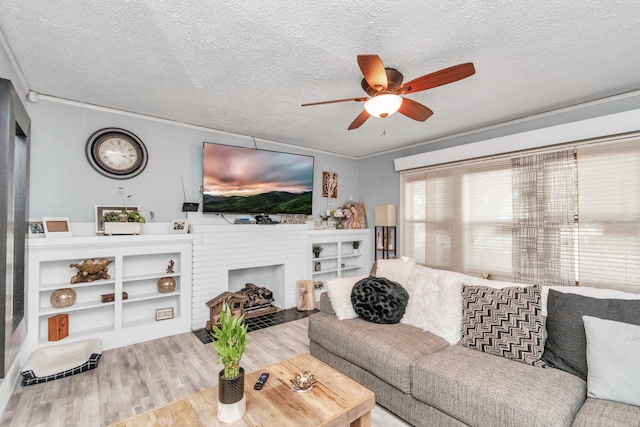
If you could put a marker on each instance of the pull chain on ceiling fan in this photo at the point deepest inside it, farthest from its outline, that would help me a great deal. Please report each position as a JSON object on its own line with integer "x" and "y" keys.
{"x": 384, "y": 87}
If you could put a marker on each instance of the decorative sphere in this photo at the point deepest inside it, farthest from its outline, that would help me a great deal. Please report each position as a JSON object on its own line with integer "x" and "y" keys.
{"x": 166, "y": 285}
{"x": 62, "y": 298}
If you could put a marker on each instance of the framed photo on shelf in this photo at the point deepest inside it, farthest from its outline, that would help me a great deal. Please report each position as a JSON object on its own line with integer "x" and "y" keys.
{"x": 164, "y": 313}
{"x": 35, "y": 229}
{"x": 179, "y": 226}
{"x": 101, "y": 210}
{"x": 358, "y": 218}
{"x": 317, "y": 266}
{"x": 56, "y": 226}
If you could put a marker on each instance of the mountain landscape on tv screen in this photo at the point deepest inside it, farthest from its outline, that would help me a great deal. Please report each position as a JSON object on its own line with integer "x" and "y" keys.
{"x": 274, "y": 202}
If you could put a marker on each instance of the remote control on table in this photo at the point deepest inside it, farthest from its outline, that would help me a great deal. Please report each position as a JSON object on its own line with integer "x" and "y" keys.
{"x": 263, "y": 379}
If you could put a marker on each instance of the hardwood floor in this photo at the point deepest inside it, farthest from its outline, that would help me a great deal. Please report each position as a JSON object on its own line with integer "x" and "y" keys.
{"x": 137, "y": 378}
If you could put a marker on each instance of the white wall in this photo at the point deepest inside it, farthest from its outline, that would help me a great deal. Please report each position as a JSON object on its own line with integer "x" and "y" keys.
{"x": 64, "y": 184}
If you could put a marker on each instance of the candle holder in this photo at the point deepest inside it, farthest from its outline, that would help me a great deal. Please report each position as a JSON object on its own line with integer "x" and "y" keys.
{"x": 303, "y": 382}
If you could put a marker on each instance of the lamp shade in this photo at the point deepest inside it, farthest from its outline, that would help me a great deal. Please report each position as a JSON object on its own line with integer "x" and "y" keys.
{"x": 383, "y": 105}
{"x": 385, "y": 216}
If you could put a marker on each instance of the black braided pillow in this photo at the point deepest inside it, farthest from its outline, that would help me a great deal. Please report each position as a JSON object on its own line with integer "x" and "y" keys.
{"x": 379, "y": 300}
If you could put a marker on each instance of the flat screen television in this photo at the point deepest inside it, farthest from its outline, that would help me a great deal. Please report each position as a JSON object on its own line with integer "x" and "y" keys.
{"x": 251, "y": 181}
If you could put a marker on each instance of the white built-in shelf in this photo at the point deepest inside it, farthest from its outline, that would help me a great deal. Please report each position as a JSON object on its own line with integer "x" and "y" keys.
{"x": 337, "y": 258}
{"x": 138, "y": 262}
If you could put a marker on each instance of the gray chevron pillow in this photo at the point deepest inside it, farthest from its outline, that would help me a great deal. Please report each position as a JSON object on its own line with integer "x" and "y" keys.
{"x": 505, "y": 322}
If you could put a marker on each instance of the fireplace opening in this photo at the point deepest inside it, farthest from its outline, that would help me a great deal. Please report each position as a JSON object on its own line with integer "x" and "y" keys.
{"x": 270, "y": 277}
{"x": 252, "y": 301}
{"x": 259, "y": 299}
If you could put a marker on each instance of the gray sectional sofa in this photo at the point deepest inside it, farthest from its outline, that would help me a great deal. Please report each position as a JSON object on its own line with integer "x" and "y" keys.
{"x": 428, "y": 381}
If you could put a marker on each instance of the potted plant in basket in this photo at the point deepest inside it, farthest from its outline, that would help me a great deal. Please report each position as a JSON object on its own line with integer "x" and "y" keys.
{"x": 125, "y": 221}
{"x": 230, "y": 340}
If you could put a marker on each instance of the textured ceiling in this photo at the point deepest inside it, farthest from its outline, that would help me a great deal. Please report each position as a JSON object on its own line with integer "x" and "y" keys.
{"x": 245, "y": 66}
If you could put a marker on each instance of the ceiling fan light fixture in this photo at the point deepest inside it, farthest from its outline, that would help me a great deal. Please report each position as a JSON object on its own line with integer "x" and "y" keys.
{"x": 383, "y": 105}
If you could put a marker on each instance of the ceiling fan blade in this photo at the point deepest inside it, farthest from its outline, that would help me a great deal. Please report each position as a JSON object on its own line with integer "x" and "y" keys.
{"x": 336, "y": 100}
{"x": 362, "y": 117}
{"x": 373, "y": 71}
{"x": 439, "y": 78}
{"x": 414, "y": 110}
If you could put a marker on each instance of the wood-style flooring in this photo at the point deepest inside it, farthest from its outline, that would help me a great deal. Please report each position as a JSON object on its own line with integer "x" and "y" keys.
{"x": 140, "y": 377}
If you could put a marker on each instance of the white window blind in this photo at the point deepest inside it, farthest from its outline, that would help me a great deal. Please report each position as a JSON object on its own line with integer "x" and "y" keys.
{"x": 459, "y": 218}
{"x": 609, "y": 221}
{"x": 559, "y": 217}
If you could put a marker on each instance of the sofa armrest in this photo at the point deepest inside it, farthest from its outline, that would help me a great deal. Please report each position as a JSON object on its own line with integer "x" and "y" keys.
{"x": 325, "y": 304}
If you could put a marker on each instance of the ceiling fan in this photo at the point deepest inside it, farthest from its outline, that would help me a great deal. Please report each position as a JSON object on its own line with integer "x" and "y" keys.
{"x": 384, "y": 87}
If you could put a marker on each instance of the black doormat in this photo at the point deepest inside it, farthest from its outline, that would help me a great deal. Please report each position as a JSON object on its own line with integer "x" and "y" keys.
{"x": 261, "y": 322}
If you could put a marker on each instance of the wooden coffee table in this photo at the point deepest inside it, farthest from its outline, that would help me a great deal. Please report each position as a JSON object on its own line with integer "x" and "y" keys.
{"x": 335, "y": 400}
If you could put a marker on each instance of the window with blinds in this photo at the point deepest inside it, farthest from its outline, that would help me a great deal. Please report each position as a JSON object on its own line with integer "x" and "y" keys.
{"x": 559, "y": 217}
{"x": 609, "y": 221}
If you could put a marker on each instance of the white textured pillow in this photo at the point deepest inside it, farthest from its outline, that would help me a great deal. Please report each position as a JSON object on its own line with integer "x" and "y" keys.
{"x": 435, "y": 302}
{"x": 612, "y": 358}
{"x": 340, "y": 294}
{"x": 397, "y": 270}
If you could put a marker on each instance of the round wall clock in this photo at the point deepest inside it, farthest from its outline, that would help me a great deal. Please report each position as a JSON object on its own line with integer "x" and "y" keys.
{"x": 116, "y": 153}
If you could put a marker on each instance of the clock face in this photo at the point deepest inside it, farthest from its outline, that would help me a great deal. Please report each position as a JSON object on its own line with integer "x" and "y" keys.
{"x": 116, "y": 153}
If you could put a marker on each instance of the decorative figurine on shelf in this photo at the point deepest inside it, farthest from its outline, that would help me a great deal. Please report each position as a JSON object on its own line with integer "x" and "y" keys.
{"x": 90, "y": 270}
{"x": 379, "y": 245}
{"x": 167, "y": 284}
{"x": 387, "y": 240}
{"x": 62, "y": 298}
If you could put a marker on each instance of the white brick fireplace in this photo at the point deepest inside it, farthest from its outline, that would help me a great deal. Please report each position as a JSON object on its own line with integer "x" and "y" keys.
{"x": 247, "y": 253}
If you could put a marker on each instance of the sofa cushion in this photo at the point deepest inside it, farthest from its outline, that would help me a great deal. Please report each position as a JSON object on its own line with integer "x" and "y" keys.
{"x": 586, "y": 291}
{"x": 598, "y": 412}
{"x": 379, "y": 300}
{"x": 399, "y": 270}
{"x": 481, "y": 389}
{"x": 386, "y": 351}
{"x": 613, "y": 349}
{"x": 435, "y": 302}
{"x": 566, "y": 345}
{"x": 340, "y": 296}
{"x": 505, "y": 322}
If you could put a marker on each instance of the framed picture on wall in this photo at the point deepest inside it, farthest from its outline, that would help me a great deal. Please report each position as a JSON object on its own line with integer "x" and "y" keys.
{"x": 330, "y": 185}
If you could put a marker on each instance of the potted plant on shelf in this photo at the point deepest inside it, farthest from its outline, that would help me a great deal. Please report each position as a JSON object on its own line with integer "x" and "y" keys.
{"x": 230, "y": 340}
{"x": 125, "y": 221}
{"x": 356, "y": 246}
{"x": 316, "y": 248}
